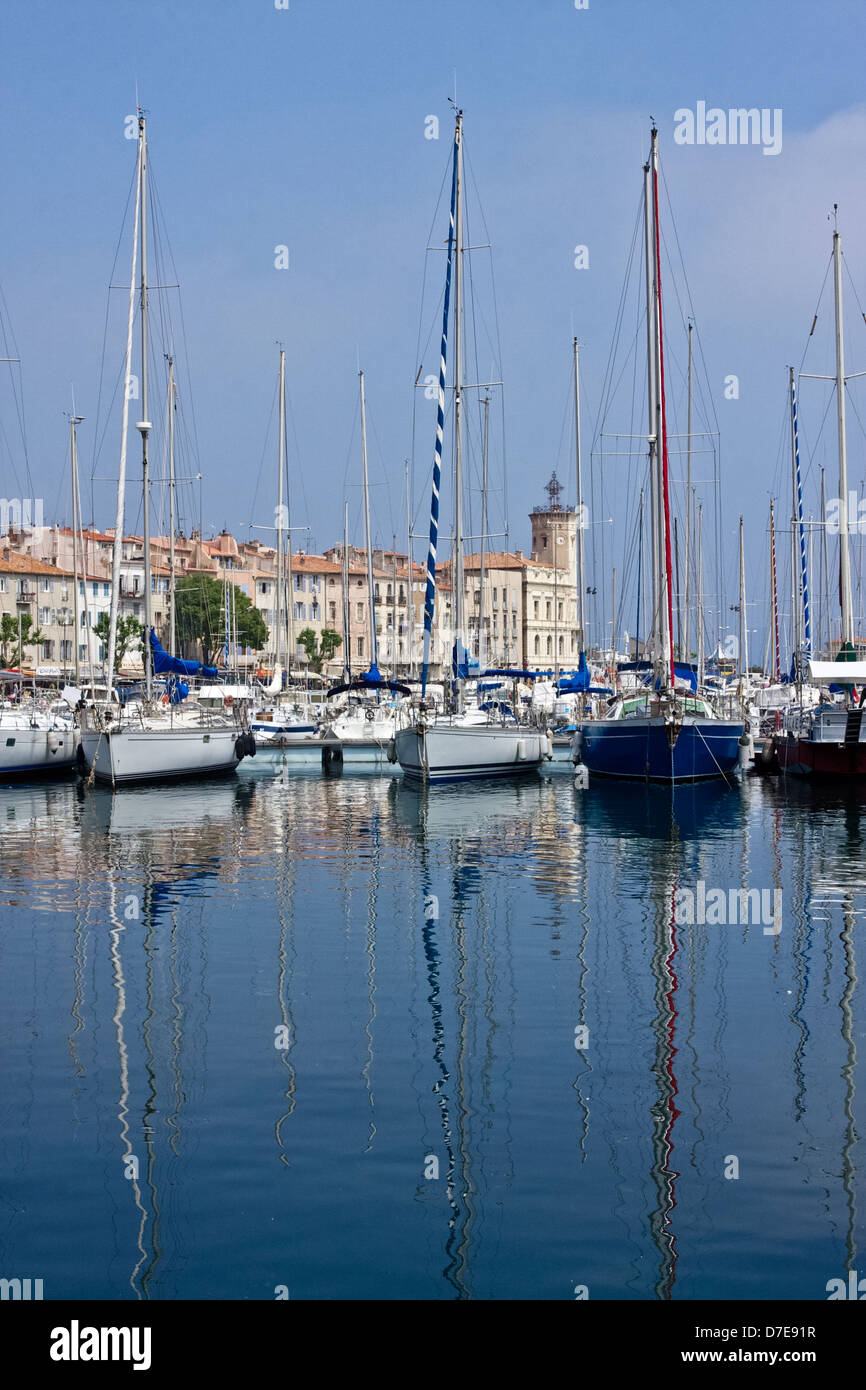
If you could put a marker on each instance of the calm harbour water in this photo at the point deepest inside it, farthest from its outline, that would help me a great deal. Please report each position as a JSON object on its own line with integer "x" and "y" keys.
{"x": 284, "y": 1003}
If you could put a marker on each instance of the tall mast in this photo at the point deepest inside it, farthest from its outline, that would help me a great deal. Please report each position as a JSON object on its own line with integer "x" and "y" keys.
{"x": 282, "y": 596}
{"x": 457, "y": 577}
{"x": 117, "y": 549}
{"x": 581, "y": 634}
{"x": 347, "y": 635}
{"x": 171, "y": 522}
{"x": 687, "y": 634}
{"x": 637, "y": 624}
{"x": 700, "y": 614}
{"x": 144, "y": 425}
{"x": 76, "y": 522}
{"x": 744, "y": 639}
{"x": 774, "y": 596}
{"x": 844, "y": 559}
{"x": 482, "y": 656}
{"x": 371, "y": 602}
{"x": 410, "y": 625}
{"x": 430, "y": 588}
{"x": 803, "y": 611}
{"x": 823, "y": 629}
{"x": 664, "y": 522}
{"x": 655, "y": 604}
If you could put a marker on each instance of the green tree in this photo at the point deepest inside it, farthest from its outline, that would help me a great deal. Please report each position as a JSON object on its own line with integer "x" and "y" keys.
{"x": 127, "y": 630}
{"x": 199, "y": 607}
{"x": 30, "y": 636}
{"x": 318, "y": 654}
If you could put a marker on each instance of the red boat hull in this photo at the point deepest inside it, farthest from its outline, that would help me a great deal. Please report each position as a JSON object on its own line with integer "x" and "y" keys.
{"x": 805, "y": 758}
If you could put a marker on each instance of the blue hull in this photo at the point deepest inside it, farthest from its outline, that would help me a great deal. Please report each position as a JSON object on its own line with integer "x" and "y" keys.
{"x": 640, "y": 749}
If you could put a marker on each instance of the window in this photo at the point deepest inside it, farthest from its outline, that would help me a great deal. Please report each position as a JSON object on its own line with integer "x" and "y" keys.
{"x": 388, "y": 592}
{"x": 46, "y": 585}
{"x": 376, "y": 593}
{"x": 315, "y": 612}
{"x": 560, "y": 645}
{"x": 360, "y": 646}
{"x": 402, "y": 598}
{"x": 544, "y": 542}
{"x": 81, "y": 588}
{"x": 82, "y": 622}
{"x": 45, "y": 615}
{"x": 299, "y": 581}
{"x": 559, "y": 611}
{"x": 535, "y": 608}
{"x": 537, "y": 646}
{"x": 264, "y": 588}
{"x": 95, "y": 590}
{"x": 65, "y": 650}
{"x": 549, "y": 645}
{"x": 300, "y": 611}
{"x": 48, "y": 651}
{"x": 360, "y": 611}
{"x": 2, "y": 585}
{"x": 547, "y": 610}
{"x": 333, "y": 611}
{"x": 504, "y": 597}
{"x": 105, "y": 591}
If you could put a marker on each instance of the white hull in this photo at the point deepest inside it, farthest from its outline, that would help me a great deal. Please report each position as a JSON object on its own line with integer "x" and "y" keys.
{"x": 26, "y": 751}
{"x": 451, "y": 753}
{"x": 148, "y": 755}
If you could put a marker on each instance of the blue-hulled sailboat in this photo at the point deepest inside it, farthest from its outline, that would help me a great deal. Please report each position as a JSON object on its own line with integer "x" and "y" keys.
{"x": 665, "y": 734}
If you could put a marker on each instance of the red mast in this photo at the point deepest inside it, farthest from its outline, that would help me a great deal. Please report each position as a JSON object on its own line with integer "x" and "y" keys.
{"x": 664, "y": 429}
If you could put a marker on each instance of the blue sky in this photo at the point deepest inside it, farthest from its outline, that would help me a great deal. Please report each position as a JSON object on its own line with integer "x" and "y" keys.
{"x": 305, "y": 127}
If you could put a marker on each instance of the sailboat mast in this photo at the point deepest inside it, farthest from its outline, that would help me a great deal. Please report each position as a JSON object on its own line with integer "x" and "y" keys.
{"x": 76, "y": 522}
{"x": 457, "y": 577}
{"x": 347, "y": 636}
{"x": 700, "y": 614}
{"x": 171, "y": 521}
{"x": 371, "y": 601}
{"x": 687, "y": 633}
{"x": 144, "y": 425}
{"x": 117, "y": 549}
{"x": 581, "y": 631}
{"x": 823, "y": 625}
{"x": 409, "y": 602}
{"x": 282, "y": 597}
{"x": 482, "y": 655}
{"x": 774, "y": 596}
{"x": 844, "y": 558}
{"x": 744, "y": 651}
{"x": 655, "y": 569}
{"x": 666, "y": 595}
{"x": 798, "y": 498}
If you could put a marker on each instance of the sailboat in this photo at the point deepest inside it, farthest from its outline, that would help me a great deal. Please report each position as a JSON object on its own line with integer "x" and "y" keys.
{"x": 830, "y": 740}
{"x": 147, "y": 742}
{"x": 463, "y": 744}
{"x": 662, "y": 734}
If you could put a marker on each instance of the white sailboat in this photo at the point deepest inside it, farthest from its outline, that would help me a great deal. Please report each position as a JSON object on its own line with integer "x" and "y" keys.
{"x": 149, "y": 742}
{"x": 475, "y": 744}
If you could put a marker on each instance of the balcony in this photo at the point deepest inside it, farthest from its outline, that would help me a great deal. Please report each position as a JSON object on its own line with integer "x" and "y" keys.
{"x": 25, "y": 596}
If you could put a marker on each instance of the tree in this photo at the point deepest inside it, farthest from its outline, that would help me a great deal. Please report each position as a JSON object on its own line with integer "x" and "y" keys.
{"x": 199, "y": 607}
{"x": 127, "y": 629}
{"x": 30, "y": 636}
{"x": 318, "y": 654}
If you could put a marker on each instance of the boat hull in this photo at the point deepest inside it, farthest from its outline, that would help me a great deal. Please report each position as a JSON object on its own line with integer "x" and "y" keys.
{"x": 641, "y": 750}
{"x": 454, "y": 754}
{"x": 804, "y": 757}
{"x": 154, "y": 755}
{"x": 26, "y": 752}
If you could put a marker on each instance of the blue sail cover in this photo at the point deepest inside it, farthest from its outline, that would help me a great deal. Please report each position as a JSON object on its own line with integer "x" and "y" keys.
{"x": 577, "y": 681}
{"x": 462, "y": 664}
{"x": 374, "y": 674}
{"x": 163, "y": 664}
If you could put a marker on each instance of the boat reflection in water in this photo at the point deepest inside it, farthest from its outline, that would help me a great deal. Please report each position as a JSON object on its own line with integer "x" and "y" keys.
{"x": 363, "y": 1040}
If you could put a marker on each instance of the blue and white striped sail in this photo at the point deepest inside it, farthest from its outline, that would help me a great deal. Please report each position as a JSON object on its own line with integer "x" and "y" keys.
{"x": 430, "y": 596}
{"x": 804, "y": 573}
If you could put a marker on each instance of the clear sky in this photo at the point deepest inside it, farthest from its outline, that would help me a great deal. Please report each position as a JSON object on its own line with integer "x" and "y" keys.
{"x": 306, "y": 127}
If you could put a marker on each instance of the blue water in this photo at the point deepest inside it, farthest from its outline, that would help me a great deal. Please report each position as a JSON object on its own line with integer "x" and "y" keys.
{"x": 428, "y": 957}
